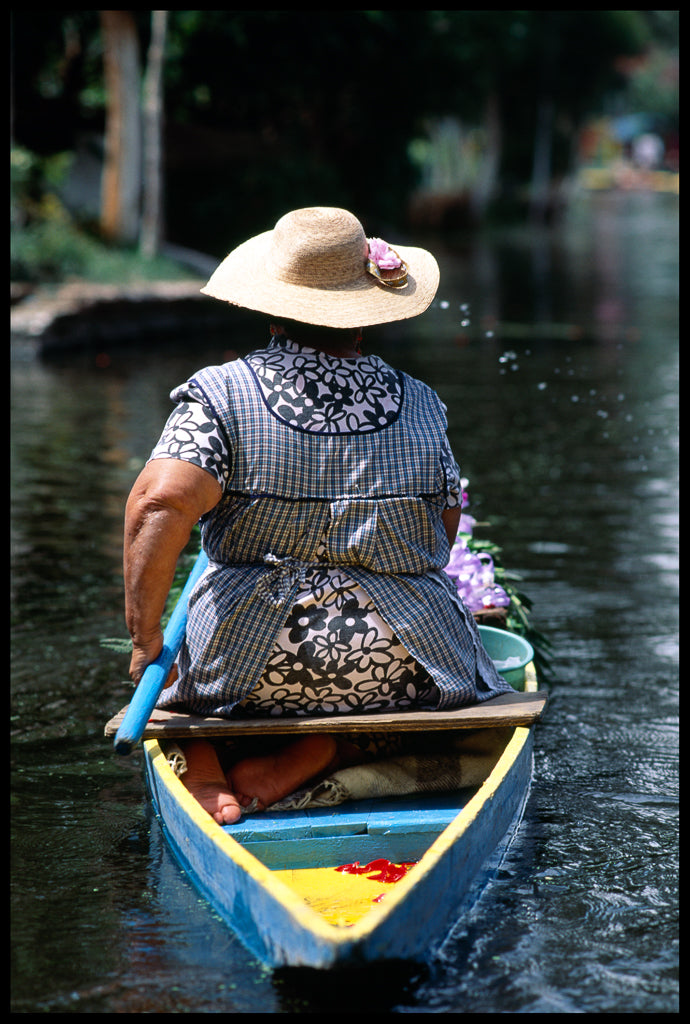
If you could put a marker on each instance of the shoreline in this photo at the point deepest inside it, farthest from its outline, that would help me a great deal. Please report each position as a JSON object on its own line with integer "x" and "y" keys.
{"x": 78, "y": 314}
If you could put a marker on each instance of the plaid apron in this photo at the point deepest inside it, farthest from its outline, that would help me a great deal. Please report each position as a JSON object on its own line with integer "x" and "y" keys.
{"x": 369, "y": 502}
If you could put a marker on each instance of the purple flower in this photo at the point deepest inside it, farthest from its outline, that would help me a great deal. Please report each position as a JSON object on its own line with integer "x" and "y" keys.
{"x": 462, "y": 561}
{"x": 467, "y": 524}
{"x": 382, "y": 255}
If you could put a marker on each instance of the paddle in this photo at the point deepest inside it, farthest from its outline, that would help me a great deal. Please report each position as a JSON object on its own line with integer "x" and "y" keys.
{"x": 155, "y": 675}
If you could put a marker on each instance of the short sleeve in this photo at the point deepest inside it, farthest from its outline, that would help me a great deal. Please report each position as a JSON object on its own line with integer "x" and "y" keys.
{"x": 193, "y": 434}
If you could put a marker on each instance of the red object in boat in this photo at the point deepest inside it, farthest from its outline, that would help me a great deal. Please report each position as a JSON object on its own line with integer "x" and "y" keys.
{"x": 383, "y": 870}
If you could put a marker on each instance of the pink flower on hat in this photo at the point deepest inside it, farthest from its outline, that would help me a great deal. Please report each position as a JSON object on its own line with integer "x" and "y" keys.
{"x": 382, "y": 255}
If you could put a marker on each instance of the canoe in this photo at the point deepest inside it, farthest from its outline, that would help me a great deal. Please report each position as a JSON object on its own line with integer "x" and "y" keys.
{"x": 368, "y": 880}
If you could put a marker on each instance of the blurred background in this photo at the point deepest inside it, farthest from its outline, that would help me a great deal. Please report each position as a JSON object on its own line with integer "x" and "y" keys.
{"x": 200, "y": 128}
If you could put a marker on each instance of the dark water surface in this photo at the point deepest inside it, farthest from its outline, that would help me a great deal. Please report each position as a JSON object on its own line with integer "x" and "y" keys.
{"x": 556, "y": 353}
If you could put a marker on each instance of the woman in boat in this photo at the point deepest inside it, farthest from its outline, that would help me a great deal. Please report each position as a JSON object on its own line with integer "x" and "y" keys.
{"x": 328, "y": 499}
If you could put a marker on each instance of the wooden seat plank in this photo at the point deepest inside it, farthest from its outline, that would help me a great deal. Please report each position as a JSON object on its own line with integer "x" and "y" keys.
{"x": 508, "y": 709}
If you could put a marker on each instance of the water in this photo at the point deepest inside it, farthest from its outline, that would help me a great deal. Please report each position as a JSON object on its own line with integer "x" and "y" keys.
{"x": 556, "y": 353}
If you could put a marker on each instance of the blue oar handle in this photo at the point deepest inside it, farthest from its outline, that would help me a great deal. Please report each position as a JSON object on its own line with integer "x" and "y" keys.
{"x": 155, "y": 675}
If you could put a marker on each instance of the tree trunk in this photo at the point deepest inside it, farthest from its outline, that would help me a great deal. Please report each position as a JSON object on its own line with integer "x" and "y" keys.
{"x": 484, "y": 188}
{"x": 121, "y": 182}
{"x": 152, "y": 198}
{"x": 540, "y": 190}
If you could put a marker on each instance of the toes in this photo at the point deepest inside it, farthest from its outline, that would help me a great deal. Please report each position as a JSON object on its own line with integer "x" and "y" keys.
{"x": 231, "y": 814}
{"x": 228, "y": 814}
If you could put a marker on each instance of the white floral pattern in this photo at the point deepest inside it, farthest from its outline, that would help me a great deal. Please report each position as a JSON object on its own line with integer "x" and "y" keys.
{"x": 335, "y": 655}
{"x": 321, "y": 394}
{"x": 193, "y": 434}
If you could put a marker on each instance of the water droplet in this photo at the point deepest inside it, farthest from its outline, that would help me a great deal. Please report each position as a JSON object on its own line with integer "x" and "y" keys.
{"x": 464, "y": 323}
{"x": 444, "y": 304}
{"x": 542, "y": 386}
{"x": 489, "y": 334}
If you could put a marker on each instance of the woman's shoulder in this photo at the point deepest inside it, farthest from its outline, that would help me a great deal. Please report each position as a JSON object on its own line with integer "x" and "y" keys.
{"x": 219, "y": 374}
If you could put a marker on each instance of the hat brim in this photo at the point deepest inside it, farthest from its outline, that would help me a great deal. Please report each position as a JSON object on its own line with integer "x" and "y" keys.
{"x": 244, "y": 279}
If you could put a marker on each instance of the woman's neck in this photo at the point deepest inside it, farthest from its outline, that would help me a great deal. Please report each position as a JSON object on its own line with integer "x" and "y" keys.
{"x": 329, "y": 349}
{"x": 342, "y": 344}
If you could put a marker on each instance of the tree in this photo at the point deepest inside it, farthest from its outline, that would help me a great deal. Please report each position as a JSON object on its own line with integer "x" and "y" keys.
{"x": 152, "y": 198}
{"x": 121, "y": 183}
{"x": 273, "y": 109}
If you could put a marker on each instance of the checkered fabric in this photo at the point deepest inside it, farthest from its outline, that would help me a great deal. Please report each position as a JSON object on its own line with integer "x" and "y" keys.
{"x": 369, "y": 501}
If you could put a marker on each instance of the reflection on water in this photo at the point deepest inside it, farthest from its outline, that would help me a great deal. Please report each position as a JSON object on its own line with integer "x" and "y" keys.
{"x": 556, "y": 354}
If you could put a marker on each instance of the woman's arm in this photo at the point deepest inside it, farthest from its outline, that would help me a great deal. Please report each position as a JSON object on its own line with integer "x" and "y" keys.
{"x": 451, "y": 522}
{"x": 167, "y": 500}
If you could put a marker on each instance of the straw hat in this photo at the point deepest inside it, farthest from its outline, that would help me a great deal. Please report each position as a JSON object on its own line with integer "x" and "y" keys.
{"x": 318, "y": 267}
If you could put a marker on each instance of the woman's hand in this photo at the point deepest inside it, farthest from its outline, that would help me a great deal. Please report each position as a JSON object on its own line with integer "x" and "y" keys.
{"x": 142, "y": 656}
{"x": 143, "y": 653}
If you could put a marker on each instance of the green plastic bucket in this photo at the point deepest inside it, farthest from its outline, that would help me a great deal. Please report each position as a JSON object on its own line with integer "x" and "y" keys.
{"x": 504, "y": 647}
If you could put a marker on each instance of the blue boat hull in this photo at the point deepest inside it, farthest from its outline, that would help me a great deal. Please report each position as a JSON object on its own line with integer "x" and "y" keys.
{"x": 457, "y": 840}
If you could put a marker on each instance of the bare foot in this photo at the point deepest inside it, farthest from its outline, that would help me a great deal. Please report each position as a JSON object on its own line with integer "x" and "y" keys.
{"x": 270, "y": 777}
{"x": 206, "y": 782}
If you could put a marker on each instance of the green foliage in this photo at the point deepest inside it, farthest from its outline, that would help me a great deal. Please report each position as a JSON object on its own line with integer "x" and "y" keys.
{"x": 654, "y": 87}
{"x": 48, "y": 245}
{"x": 119, "y": 645}
{"x": 518, "y": 620}
{"x": 53, "y": 249}
{"x": 267, "y": 110}
{"x": 44, "y": 244}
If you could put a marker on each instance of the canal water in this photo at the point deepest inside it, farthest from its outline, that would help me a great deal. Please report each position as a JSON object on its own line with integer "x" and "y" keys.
{"x": 556, "y": 352}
